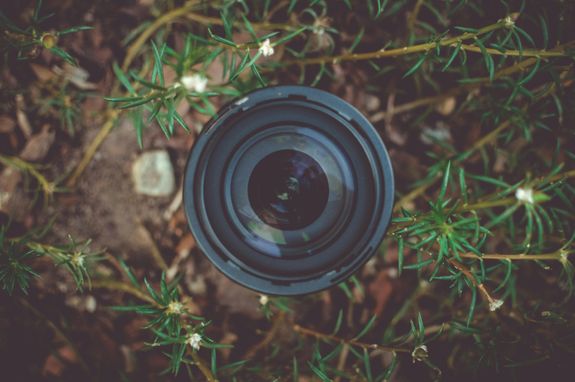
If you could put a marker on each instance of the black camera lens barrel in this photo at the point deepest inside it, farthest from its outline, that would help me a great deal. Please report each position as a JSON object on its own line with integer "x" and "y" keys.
{"x": 288, "y": 190}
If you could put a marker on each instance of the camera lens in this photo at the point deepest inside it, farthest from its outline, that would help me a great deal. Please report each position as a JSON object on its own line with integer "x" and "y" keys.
{"x": 288, "y": 190}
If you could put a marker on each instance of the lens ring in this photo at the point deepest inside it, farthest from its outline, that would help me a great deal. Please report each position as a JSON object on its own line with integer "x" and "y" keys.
{"x": 207, "y": 174}
{"x": 294, "y": 243}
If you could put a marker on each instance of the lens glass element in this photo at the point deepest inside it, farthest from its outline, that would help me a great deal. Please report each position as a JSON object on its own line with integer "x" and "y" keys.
{"x": 288, "y": 190}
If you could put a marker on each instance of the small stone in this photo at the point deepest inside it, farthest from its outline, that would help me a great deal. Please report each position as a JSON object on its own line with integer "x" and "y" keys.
{"x": 447, "y": 106}
{"x": 153, "y": 174}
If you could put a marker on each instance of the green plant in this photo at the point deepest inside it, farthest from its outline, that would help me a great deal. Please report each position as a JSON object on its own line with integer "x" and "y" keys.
{"x": 17, "y": 255}
{"x": 28, "y": 42}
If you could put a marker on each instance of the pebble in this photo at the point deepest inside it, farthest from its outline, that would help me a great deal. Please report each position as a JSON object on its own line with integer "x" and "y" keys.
{"x": 153, "y": 174}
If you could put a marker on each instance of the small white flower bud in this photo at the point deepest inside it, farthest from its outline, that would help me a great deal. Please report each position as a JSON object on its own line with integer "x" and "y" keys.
{"x": 195, "y": 82}
{"x": 194, "y": 341}
{"x": 508, "y": 22}
{"x": 495, "y": 304}
{"x": 524, "y": 195}
{"x": 420, "y": 353}
{"x": 175, "y": 308}
{"x": 264, "y": 300}
{"x": 266, "y": 48}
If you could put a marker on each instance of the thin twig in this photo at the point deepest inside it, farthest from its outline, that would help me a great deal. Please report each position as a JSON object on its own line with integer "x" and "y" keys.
{"x": 123, "y": 287}
{"x": 446, "y": 41}
{"x": 469, "y": 275}
{"x": 112, "y": 117}
{"x": 513, "y": 256}
{"x": 278, "y": 321}
{"x": 310, "y": 332}
{"x": 204, "y": 369}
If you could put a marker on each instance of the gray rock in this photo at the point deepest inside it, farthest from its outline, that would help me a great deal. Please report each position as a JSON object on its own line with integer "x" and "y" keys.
{"x": 153, "y": 174}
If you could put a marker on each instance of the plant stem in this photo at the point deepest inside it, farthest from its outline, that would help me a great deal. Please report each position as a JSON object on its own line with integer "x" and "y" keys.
{"x": 268, "y": 337}
{"x": 521, "y": 53}
{"x": 312, "y": 333}
{"x": 204, "y": 369}
{"x": 469, "y": 275}
{"x": 207, "y": 20}
{"x": 446, "y": 41}
{"x": 123, "y": 287}
{"x": 514, "y": 257}
{"x": 48, "y": 187}
{"x": 485, "y": 140}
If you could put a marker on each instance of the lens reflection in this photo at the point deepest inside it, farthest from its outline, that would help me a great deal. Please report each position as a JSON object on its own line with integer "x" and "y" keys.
{"x": 288, "y": 190}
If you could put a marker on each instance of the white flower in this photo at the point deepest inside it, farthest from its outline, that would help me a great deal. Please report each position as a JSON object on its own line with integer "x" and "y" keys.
{"x": 524, "y": 195}
{"x": 508, "y": 21}
{"x": 264, "y": 300}
{"x": 195, "y": 82}
{"x": 495, "y": 304}
{"x": 420, "y": 353}
{"x": 78, "y": 259}
{"x": 175, "y": 308}
{"x": 266, "y": 49}
{"x": 194, "y": 341}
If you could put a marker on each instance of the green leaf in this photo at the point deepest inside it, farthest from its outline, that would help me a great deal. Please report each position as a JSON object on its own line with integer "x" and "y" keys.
{"x": 544, "y": 31}
{"x": 158, "y": 71}
{"x": 366, "y": 328}
{"x": 357, "y": 39}
{"x": 400, "y": 256}
{"x": 257, "y": 74}
{"x": 445, "y": 182}
{"x": 489, "y": 64}
{"x": 338, "y": 322}
{"x": 417, "y": 65}
{"x": 288, "y": 37}
{"x": 524, "y": 34}
{"x": 64, "y": 55}
{"x": 465, "y": 29}
{"x": 472, "y": 305}
{"x": 509, "y": 268}
{"x": 452, "y": 57}
{"x": 151, "y": 291}
{"x": 319, "y": 373}
{"x": 380, "y": 7}
{"x": 249, "y": 27}
{"x": 122, "y": 77}
{"x": 367, "y": 365}
{"x": 37, "y": 6}
{"x": 75, "y": 29}
{"x": 418, "y": 265}
{"x": 420, "y": 326}
{"x": 291, "y": 6}
{"x": 129, "y": 273}
{"x": 221, "y": 39}
{"x": 295, "y": 369}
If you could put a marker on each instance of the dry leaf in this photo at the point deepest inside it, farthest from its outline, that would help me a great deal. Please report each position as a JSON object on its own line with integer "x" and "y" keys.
{"x": 39, "y": 145}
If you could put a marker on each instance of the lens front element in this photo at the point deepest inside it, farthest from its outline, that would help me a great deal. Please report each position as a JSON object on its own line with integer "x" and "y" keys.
{"x": 288, "y": 190}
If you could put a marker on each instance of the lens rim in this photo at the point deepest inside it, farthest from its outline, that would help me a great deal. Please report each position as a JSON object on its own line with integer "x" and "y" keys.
{"x": 238, "y": 270}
